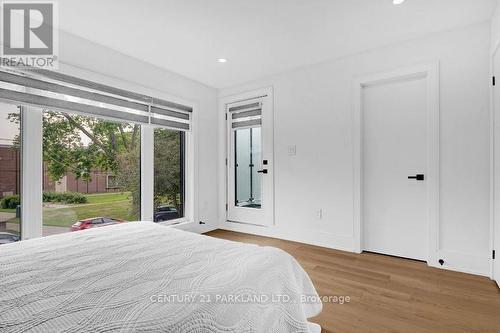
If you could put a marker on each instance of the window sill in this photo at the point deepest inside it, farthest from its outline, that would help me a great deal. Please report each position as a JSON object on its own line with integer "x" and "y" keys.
{"x": 176, "y": 222}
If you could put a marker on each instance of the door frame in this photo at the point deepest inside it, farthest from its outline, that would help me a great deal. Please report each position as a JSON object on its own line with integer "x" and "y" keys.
{"x": 429, "y": 71}
{"x": 494, "y": 221}
{"x": 223, "y": 153}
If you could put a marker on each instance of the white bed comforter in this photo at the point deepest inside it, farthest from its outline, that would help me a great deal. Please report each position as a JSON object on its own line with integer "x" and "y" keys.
{"x": 144, "y": 277}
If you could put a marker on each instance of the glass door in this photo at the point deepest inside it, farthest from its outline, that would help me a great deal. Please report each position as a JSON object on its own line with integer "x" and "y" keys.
{"x": 249, "y": 163}
{"x": 248, "y": 157}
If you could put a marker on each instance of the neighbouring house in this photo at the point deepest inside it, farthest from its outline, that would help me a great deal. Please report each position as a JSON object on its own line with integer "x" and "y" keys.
{"x": 10, "y": 177}
{"x": 10, "y": 171}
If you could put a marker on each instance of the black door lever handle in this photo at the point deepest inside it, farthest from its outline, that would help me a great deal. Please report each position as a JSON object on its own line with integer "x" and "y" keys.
{"x": 417, "y": 177}
{"x": 262, "y": 171}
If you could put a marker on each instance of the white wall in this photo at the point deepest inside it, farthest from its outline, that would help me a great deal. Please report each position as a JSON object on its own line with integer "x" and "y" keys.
{"x": 95, "y": 62}
{"x": 313, "y": 110}
{"x": 495, "y": 28}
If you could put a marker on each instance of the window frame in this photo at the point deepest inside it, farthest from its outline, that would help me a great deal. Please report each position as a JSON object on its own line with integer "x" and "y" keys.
{"x": 147, "y": 173}
{"x": 32, "y": 173}
{"x": 108, "y": 187}
{"x": 32, "y": 157}
{"x": 19, "y": 169}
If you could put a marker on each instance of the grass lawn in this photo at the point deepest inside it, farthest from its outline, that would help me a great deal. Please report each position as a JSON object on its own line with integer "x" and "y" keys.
{"x": 108, "y": 197}
{"x": 115, "y": 205}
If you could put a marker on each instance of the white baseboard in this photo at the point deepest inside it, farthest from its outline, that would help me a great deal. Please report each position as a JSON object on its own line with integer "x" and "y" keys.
{"x": 454, "y": 261}
{"x": 307, "y": 236}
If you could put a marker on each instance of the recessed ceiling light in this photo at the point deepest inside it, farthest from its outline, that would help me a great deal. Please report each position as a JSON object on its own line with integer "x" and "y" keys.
{"x": 222, "y": 60}
{"x": 398, "y": 2}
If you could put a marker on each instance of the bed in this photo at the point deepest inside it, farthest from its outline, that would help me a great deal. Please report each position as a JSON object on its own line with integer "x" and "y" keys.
{"x": 143, "y": 277}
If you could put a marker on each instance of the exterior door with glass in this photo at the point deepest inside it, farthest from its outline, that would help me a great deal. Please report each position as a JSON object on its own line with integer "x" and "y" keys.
{"x": 249, "y": 162}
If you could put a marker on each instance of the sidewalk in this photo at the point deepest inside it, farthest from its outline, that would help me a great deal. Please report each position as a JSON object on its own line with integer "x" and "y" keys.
{"x": 4, "y": 217}
{"x": 47, "y": 230}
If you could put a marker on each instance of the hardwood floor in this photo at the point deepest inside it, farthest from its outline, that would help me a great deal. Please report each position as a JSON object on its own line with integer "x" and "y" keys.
{"x": 390, "y": 294}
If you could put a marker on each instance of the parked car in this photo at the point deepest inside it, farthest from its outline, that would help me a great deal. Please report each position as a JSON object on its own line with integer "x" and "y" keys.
{"x": 165, "y": 213}
{"x": 95, "y": 222}
{"x": 8, "y": 237}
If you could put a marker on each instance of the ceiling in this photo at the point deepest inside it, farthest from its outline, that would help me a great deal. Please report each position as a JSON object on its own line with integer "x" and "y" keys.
{"x": 258, "y": 37}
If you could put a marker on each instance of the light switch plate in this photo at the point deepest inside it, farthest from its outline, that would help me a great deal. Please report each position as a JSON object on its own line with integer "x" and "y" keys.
{"x": 292, "y": 150}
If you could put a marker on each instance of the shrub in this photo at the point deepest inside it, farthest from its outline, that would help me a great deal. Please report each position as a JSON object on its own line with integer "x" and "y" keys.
{"x": 10, "y": 202}
{"x": 65, "y": 197}
{"x": 49, "y": 196}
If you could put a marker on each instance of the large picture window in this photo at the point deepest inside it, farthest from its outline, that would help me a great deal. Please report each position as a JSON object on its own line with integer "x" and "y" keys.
{"x": 10, "y": 173}
{"x": 81, "y": 158}
{"x": 169, "y": 175}
{"x": 91, "y": 172}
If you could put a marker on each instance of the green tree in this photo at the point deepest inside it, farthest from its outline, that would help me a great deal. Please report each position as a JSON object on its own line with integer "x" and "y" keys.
{"x": 65, "y": 149}
{"x": 81, "y": 144}
{"x": 168, "y": 185}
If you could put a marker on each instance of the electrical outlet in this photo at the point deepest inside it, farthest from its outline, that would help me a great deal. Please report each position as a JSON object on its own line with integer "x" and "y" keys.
{"x": 319, "y": 214}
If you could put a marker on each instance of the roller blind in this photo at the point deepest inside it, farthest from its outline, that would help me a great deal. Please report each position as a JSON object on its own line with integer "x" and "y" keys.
{"x": 49, "y": 89}
{"x": 246, "y": 115}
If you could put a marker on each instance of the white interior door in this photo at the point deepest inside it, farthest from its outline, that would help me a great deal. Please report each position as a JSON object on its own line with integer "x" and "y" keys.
{"x": 496, "y": 226}
{"x": 395, "y": 204}
{"x": 250, "y": 161}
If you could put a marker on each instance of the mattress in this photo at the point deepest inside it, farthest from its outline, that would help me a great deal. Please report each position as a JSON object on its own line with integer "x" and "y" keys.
{"x": 143, "y": 277}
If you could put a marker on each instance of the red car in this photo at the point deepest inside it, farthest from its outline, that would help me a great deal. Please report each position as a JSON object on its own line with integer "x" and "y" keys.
{"x": 95, "y": 222}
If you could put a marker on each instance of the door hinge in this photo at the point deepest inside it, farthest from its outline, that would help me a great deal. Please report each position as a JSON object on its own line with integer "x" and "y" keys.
{"x": 226, "y": 206}
{"x": 493, "y": 81}
{"x": 226, "y": 160}
{"x": 226, "y": 115}
{"x": 493, "y": 254}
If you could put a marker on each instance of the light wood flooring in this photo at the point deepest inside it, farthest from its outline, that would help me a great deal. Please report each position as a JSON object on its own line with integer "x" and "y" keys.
{"x": 390, "y": 294}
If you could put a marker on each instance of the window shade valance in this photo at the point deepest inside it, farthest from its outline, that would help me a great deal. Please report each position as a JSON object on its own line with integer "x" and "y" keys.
{"x": 45, "y": 88}
{"x": 246, "y": 115}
